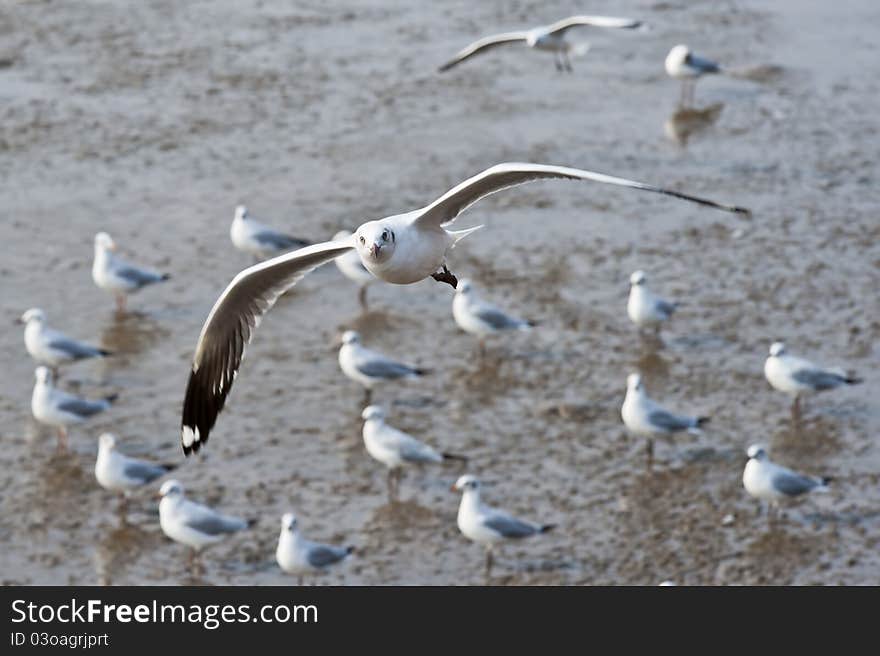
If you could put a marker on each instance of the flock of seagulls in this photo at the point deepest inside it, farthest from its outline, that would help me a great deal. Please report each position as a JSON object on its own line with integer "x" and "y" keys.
{"x": 400, "y": 249}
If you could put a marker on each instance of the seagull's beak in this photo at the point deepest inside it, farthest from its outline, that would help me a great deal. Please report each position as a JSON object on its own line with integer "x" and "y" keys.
{"x": 18, "y": 322}
{"x": 374, "y": 250}
{"x": 157, "y": 495}
{"x": 452, "y": 488}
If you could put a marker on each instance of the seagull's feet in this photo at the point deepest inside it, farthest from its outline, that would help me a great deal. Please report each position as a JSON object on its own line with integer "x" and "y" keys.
{"x": 62, "y": 440}
{"x": 368, "y": 396}
{"x": 362, "y": 298}
{"x": 444, "y": 275}
{"x": 489, "y": 562}
{"x": 649, "y": 453}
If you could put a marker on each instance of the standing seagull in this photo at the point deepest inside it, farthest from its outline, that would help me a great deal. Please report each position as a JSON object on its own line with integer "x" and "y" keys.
{"x": 489, "y": 526}
{"x": 120, "y": 473}
{"x": 116, "y": 276}
{"x": 352, "y": 268}
{"x": 684, "y": 65}
{"x": 550, "y": 38}
{"x": 770, "y": 482}
{"x": 53, "y": 348}
{"x": 400, "y": 249}
{"x": 480, "y": 318}
{"x": 644, "y": 307}
{"x": 644, "y": 416}
{"x": 297, "y": 555}
{"x": 191, "y": 523}
{"x": 796, "y": 376}
{"x": 57, "y": 408}
{"x": 371, "y": 368}
{"x": 396, "y": 449}
{"x": 261, "y": 241}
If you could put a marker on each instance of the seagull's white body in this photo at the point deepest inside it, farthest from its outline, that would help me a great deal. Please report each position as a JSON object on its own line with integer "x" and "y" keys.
{"x": 179, "y": 518}
{"x": 57, "y": 408}
{"x": 644, "y": 307}
{"x": 118, "y": 472}
{"x": 400, "y": 249}
{"x": 767, "y": 481}
{"x": 394, "y": 448}
{"x": 297, "y": 555}
{"x": 250, "y": 236}
{"x": 644, "y": 416}
{"x": 51, "y": 347}
{"x": 796, "y": 376}
{"x": 477, "y": 317}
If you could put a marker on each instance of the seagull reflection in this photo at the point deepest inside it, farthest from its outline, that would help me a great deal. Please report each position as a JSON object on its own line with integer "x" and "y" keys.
{"x": 687, "y": 121}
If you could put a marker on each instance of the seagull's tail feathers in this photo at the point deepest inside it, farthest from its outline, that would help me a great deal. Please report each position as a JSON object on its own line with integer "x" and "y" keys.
{"x": 852, "y": 380}
{"x": 110, "y": 399}
{"x": 418, "y": 371}
{"x": 699, "y": 422}
{"x": 104, "y": 353}
{"x": 458, "y": 235}
{"x": 165, "y": 276}
{"x": 454, "y": 456}
{"x": 251, "y": 521}
{"x": 823, "y": 485}
{"x": 349, "y": 550}
{"x": 546, "y": 528}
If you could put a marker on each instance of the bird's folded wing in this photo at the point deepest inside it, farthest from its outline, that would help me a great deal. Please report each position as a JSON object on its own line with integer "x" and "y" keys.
{"x": 322, "y": 555}
{"x": 230, "y": 327}
{"x": 665, "y": 420}
{"x": 142, "y": 471}
{"x": 790, "y": 483}
{"x": 561, "y": 26}
{"x": 81, "y": 407}
{"x": 206, "y": 521}
{"x": 510, "y": 527}
{"x": 73, "y": 348}
{"x": 510, "y": 174}
{"x": 482, "y": 45}
{"x": 819, "y": 379}
{"x": 137, "y": 276}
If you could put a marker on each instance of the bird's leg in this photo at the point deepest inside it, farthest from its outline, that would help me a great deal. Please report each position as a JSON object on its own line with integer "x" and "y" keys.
{"x": 443, "y": 275}
{"x": 489, "y": 561}
{"x": 482, "y": 350}
{"x": 362, "y": 297}
{"x": 62, "y": 439}
{"x": 692, "y": 84}
{"x": 796, "y": 407}
{"x": 123, "y": 506}
{"x": 368, "y": 395}
{"x": 120, "y": 303}
{"x": 299, "y": 581}
{"x": 682, "y": 99}
{"x": 390, "y": 485}
{"x": 649, "y": 452}
{"x": 566, "y": 60}
{"x": 557, "y": 61}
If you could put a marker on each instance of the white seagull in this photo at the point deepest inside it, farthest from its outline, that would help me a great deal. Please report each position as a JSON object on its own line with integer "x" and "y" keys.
{"x": 767, "y": 481}
{"x": 684, "y": 65}
{"x": 400, "y": 249}
{"x": 250, "y": 236}
{"x": 352, "y": 268}
{"x": 644, "y": 307}
{"x": 120, "y": 473}
{"x": 369, "y": 367}
{"x": 193, "y": 524}
{"x": 396, "y": 449}
{"x": 797, "y": 377}
{"x": 477, "y": 317}
{"x": 297, "y": 555}
{"x": 489, "y": 526}
{"x": 116, "y": 276}
{"x": 644, "y": 416}
{"x": 550, "y": 38}
{"x": 53, "y": 348}
{"x": 57, "y": 408}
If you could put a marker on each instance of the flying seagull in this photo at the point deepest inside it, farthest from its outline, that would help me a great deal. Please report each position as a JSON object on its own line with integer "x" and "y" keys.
{"x": 250, "y": 236}
{"x": 53, "y": 348}
{"x": 489, "y": 526}
{"x": 113, "y": 275}
{"x": 297, "y": 555}
{"x": 550, "y": 38}
{"x": 684, "y": 65}
{"x": 797, "y": 377}
{"x": 400, "y": 249}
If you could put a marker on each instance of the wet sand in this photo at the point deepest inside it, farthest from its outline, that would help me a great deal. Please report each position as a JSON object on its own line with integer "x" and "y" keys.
{"x": 152, "y": 121}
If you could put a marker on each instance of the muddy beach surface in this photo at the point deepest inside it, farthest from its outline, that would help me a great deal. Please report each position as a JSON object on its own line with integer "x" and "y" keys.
{"x": 152, "y": 121}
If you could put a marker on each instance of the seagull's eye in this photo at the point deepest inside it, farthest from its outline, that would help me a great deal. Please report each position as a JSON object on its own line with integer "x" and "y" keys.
{"x": 363, "y": 241}
{"x": 384, "y": 235}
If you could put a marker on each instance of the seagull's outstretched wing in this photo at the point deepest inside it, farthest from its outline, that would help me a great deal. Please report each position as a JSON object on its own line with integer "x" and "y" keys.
{"x": 229, "y": 328}
{"x": 559, "y": 27}
{"x": 510, "y": 174}
{"x": 482, "y": 45}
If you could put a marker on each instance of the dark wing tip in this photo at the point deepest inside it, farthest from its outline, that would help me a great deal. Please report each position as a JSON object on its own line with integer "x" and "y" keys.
{"x": 166, "y": 276}
{"x": 104, "y": 353}
{"x": 826, "y": 480}
{"x": 111, "y": 398}
{"x": 201, "y": 405}
{"x": 546, "y": 528}
{"x": 422, "y": 372}
{"x": 703, "y": 420}
{"x": 349, "y": 550}
{"x": 453, "y": 456}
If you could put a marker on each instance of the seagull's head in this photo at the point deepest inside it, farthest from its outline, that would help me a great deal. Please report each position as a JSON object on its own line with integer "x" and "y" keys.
{"x": 466, "y": 483}
{"x": 375, "y": 242}
{"x": 34, "y": 314}
{"x": 107, "y": 441}
{"x": 351, "y": 337}
{"x": 373, "y": 412}
{"x": 43, "y": 375}
{"x": 463, "y": 287}
{"x": 777, "y": 349}
{"x": 105, "y": 242}
{"x": 757, "y": 452}
{"x": 171, "y": 490}
{"x": 634, "y": 383}
{"x": 288, "y": 522}
{"x": 677, "y": 56}
{"x": 638, "y": 278}
{"x": 241, "y": 213}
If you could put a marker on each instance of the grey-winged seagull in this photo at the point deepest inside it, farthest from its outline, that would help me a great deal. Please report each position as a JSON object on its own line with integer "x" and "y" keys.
{"x": 767, "y": 481}
{"x": 796, "y": 376}
{"x": 486, "y": 525}
{"x": 250, "y": 236}
{"x": 297, "y": 555}
{"x": 478, "y": 317}
{"x": 399, "y": 249}
{"x": 684, "y": 65}
{"x": 644, "y": 307}
{"x": 114, "y": 275}
{"x": 371, "y": 368}
{"x": 549, "y": 38}
{"x": 53, "y": 348}
{"x": 120, "y": 473}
